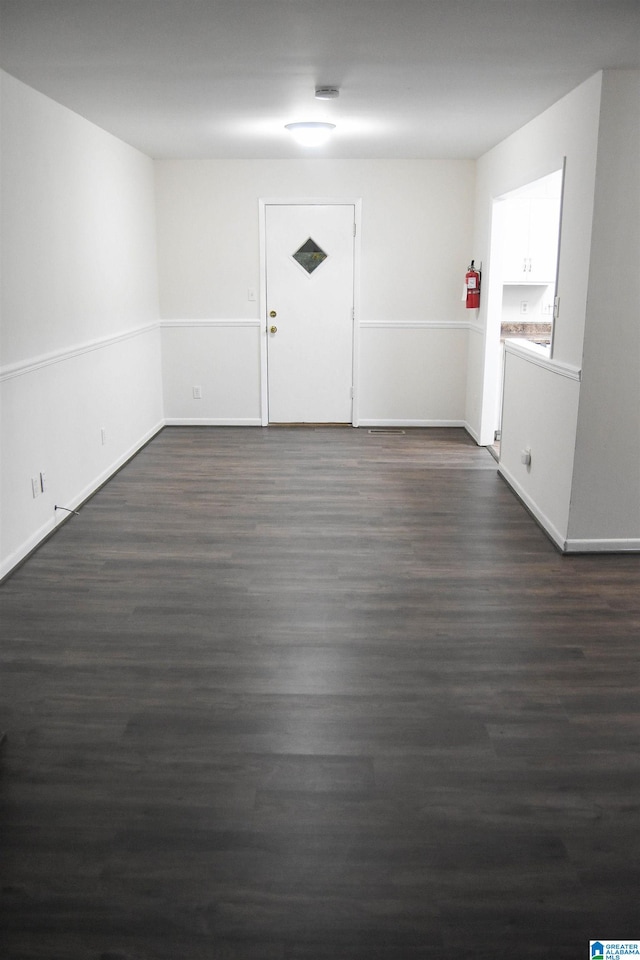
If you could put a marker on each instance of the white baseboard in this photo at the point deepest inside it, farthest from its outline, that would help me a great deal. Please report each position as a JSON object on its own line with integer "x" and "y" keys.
{"x": 213, "y": 422}
{"x": 472, "y": 433}
{"x": 552, "y": 532}
{"x": 411, "y": 423}
{"x": 39, "y": 536}
{"x": 621, "y": 545}
{"x": 102, "y": 478}
{"x": 616, "y": 545}
{"x": 257, "y": 422}
{"x": 15, "y": 559}
{"x": 573, "y": 545}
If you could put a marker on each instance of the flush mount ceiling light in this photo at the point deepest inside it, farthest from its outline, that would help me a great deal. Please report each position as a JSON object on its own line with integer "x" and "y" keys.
{"x": 327, "y": 93}
{"x": 310, "y": 133}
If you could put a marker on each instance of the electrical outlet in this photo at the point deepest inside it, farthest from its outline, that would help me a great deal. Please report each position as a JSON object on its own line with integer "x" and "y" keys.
{"x": 197, "y": 393}
{"x": 524, "y": 306}
{"x": 36, "y": 490}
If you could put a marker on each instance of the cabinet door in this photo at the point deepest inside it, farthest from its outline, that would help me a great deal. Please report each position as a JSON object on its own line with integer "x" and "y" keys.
{"x": 544, "y": 226}
{"x": 515, "y": 258}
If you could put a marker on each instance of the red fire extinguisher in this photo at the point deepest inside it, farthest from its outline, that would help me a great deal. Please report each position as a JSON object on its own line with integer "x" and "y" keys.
{"x": 472, "y": 283}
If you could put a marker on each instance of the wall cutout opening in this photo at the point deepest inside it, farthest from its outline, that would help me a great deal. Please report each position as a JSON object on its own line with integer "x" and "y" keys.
{"x": 522, "y": 301}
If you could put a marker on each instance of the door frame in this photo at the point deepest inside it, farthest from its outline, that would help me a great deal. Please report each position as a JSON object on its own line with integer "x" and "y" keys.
{"x": 263, "y": 203}
{"x": 493, "y": 296}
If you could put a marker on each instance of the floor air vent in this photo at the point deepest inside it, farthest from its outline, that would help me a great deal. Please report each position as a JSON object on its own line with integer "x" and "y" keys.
{"x": 387, "y": 430}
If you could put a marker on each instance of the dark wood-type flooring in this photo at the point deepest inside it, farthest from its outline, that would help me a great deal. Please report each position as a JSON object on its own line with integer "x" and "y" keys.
{"x": 316, "y": 694}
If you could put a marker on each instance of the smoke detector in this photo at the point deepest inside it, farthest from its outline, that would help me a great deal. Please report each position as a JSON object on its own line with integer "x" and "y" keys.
{"x": 327, "y": 93}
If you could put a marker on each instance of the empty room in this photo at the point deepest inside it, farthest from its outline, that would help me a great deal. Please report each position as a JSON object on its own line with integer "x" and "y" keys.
{"x": 319, "y": 649}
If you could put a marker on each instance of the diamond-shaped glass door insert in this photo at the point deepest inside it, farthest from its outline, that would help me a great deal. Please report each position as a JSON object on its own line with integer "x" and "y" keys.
{"x": 310, "y": 255}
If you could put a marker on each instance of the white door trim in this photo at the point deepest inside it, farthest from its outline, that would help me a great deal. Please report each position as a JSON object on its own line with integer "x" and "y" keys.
{"x": 263, "y": 203}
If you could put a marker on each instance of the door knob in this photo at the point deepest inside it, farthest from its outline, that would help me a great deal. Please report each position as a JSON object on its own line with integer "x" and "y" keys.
{"x": 273, "y": 313}
{"x": 273, "y": 329}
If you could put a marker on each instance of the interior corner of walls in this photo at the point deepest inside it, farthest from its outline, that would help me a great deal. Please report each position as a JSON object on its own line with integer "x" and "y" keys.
{"x": 472, "y": 433}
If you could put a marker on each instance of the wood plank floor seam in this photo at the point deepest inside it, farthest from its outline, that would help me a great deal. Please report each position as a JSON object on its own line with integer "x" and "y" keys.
{"x": 315, "y": 693}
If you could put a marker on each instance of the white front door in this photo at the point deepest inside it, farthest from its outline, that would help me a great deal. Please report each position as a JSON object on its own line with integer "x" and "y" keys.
{"x": 309, "y": 298}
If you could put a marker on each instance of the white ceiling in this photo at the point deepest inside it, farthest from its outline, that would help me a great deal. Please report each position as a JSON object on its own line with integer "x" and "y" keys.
{"x": 220, "y": 78}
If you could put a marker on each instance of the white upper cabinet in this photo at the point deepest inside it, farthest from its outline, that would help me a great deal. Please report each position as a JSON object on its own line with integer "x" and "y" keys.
{"x": 531, "y": 234}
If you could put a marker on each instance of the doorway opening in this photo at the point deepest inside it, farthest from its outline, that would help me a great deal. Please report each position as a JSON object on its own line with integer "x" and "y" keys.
{"x": 525, "y": 245}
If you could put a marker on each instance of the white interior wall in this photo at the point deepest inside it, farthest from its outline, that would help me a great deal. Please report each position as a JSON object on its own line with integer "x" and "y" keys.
{"x": 567, "y": 129}
{"x": 79, "y": 341}
{"x": 544, "y": 484}
{"x": 408, "y": 369}
{"x": 222, "y": 359}
{"x": 538, "y": 300}
{"x": 78, "y": 316}
{"x": 605, "y": 507}
{"x": 415, "y": 239}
